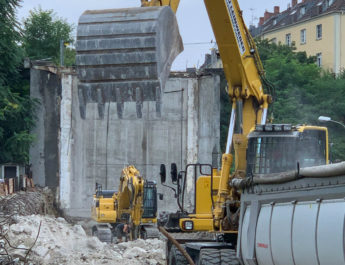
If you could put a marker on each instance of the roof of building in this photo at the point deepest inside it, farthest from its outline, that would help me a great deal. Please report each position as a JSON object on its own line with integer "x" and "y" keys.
{"x": 305, "y": 10}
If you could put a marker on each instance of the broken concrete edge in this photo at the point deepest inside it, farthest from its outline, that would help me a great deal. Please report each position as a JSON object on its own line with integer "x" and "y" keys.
{"x": 52, "y": 68}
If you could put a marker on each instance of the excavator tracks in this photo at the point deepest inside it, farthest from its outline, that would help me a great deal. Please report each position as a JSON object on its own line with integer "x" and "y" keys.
{"x": 125, "y": 55}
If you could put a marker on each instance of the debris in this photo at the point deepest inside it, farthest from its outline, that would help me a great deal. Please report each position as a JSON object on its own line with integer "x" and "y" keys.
{"x": 62, "y": 243}
{"x": 35, "y": 237}
{"x": 40, "y": 201}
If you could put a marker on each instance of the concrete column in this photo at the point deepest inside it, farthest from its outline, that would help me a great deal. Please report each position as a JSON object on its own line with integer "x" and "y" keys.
{"x": 66, "y": 140}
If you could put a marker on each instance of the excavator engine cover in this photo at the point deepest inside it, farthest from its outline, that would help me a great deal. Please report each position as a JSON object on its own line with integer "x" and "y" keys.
{"x": 125, "y": 55}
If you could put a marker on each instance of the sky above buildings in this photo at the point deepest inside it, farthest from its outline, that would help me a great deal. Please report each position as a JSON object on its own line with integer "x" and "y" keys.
{"x": 193, "y": 21}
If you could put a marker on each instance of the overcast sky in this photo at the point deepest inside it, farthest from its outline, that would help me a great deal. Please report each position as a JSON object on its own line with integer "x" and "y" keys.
{"x": 192, "y": 18}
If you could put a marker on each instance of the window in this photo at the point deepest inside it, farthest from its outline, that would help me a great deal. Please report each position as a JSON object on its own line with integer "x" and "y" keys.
{"x": 330, "y": 2}
{"x": 288, "y": 39}
{"x": 303, "y": 36}
{"x": 274, "y": 40}
{"x": 274, "y": 22}
{"x": 10, "y": 171}
{"x": 266, "y": 155}
{"x": 319, "y": 59}
{"x": 302, "y": 11}
{"x": 319, "y": 32}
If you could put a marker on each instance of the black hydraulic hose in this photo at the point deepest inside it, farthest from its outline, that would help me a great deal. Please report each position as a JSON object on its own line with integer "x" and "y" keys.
{"x": 324, "y": 171}
{"x": 177, "y": 244}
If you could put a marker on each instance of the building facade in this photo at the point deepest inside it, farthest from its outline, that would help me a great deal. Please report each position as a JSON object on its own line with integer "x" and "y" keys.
{"x": 314, "y": 26}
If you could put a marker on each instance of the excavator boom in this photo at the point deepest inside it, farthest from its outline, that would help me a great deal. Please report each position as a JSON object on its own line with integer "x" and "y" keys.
{"x": 172, "y": 3}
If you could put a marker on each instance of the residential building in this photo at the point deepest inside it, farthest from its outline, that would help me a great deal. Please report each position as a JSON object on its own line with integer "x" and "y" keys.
{"x": 314, "y": 26}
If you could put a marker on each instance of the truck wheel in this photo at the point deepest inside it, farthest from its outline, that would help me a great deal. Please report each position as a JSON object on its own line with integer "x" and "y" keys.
{"x": 176, "y": 257}
{"x": 228, "y": 257}
{"x": 209, "y": 256}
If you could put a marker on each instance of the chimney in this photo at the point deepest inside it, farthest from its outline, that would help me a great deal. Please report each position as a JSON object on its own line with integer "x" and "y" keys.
{"x": 293, "y": 3}
{"x": 276, "y": 10}
{"x": 267, "y": 15}
{"x": 261, "y": 21}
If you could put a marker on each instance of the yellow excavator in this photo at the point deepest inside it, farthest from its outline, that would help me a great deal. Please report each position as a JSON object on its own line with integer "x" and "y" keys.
{"x": 282, "y": 203}
{"x": 135, "y": 204}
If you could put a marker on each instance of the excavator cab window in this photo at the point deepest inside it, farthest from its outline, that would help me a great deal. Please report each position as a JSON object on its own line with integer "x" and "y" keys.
{"x": 150, "y": 200}
{"x": 268, "y": 155}
{"x": 280, "y": 153}
{"x": 312, "y": 148}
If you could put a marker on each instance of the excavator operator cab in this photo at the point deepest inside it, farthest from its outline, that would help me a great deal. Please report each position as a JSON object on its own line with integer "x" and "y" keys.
{"x": 275, "y": 148}
{"x": 150, "y": 200}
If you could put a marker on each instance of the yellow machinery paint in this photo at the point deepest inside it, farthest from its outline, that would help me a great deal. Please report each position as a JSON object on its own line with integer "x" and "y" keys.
{"x": 103, "y": 209}
{"x": 127, "y": 205}
{"x": 216, "y": 205}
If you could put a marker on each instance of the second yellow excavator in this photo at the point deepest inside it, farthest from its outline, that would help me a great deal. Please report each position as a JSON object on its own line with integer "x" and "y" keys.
{"x": 135, "y": 204}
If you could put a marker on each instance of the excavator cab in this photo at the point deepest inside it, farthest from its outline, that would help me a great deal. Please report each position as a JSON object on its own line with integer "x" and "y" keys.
{"x": 275, "y": 148}
{"x": 150, "y": 200}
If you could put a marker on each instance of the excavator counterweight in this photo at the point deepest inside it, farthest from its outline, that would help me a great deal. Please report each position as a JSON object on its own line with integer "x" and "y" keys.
{"x": 125, "y": 55}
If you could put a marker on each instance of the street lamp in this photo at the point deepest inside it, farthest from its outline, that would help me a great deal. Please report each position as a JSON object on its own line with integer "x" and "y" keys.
{"x": 328, "y": 119}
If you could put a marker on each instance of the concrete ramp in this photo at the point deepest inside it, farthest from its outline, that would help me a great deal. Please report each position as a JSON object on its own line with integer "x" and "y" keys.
{"x": 125, "y": 55}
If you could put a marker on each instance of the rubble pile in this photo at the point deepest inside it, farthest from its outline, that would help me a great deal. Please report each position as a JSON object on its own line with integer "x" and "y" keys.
{"x": 35, "y": 201}
{"x": 31, "y": 234}
{"x": 150, "y": 251}
{"x": 59, "y": 242}
{"x": 39, "y": 201}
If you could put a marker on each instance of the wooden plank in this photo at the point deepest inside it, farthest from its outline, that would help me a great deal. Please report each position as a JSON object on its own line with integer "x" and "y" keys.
{"x": 2, "y": 189}
{"x": 11, "y": 186}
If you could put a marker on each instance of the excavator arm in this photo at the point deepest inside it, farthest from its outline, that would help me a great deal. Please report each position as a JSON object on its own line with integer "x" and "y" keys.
{"x": 242, "y": 65}
{"x": 244, "y": 73}
{"x": 130, "y": 195}
{"x": 172, "y": 3}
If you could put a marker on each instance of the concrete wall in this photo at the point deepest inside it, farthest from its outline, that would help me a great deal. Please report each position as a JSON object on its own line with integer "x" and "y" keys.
{"x": 96, "y": 150}
{"x": 44, "y": 154}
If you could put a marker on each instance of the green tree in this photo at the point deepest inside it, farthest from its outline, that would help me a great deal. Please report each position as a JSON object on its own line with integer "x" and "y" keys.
{"x": 302, "y": 92}
{"x": 326, "y": 97}
{"x": 291, "y": 73}
{"x": 16, "y": 107}
{"x": 10, "y": 53}
{"x": 43, "y": 31}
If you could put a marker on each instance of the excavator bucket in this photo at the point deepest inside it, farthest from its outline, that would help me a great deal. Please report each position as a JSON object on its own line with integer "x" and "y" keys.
{"x": 125, "y": 55}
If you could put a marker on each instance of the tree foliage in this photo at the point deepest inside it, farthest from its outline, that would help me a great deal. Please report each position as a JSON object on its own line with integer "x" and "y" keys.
{"x": 303, "y": 92}
{"x": 10, "y": 54}
{"x": 16, "y": 107}
{"x": 43, "y": 31}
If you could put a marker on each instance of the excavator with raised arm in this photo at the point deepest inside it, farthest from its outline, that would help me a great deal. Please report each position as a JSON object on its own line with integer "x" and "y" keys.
{"x": 134, "y": 204}
{"x": 282, "y": 203}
